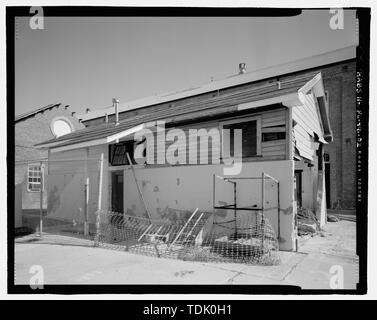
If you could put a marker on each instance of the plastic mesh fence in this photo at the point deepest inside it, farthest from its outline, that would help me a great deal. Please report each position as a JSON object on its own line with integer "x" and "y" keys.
{"x": 202, "y": 237}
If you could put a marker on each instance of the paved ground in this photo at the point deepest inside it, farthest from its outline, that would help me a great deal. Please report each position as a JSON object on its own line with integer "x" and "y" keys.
{"x": 74, "y": 261}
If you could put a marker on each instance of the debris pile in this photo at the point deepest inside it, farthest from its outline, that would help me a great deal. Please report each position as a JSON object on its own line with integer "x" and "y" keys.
{"x": 307, "y": 222}
{"x": 332, "y": 218}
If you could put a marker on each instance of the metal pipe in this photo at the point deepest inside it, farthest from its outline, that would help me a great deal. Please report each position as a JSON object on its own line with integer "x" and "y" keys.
{"x": 262, "y": 222}
{"x": 86, "y": 194}
{"x": 278, "y": 186}
{"x": 41, "y": 201}
{"x": 235, "y": 210}
{"x": 262, "y": 206}
{"x": 98, "y": 218}
{"x": 214, "y": 191}
{"x": 116, "y": 102}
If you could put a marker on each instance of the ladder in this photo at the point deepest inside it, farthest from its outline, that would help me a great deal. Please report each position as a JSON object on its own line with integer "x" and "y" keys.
{"x": 153, "y": 235}
{"x": 188, "y": 230}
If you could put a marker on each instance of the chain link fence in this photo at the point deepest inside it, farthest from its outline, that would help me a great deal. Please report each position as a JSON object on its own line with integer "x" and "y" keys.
{"x": 199, "y": 238}
{"x": 62, "y": 197}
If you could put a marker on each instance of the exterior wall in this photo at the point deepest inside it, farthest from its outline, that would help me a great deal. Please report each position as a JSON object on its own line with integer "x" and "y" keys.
{"x": 307, "y": 124}
{"x": 308, "y": 184}
{"x": 340, "y": 82}
{"x": 313, "y": 188}
{"x": 28, "y": 132}
{"x": 321, "y": 209}
{"x": 269, "y": 150}
{"x": 66, "y": 178}
{"x": 172, "y": 192}
{"x": 175, "y": 192}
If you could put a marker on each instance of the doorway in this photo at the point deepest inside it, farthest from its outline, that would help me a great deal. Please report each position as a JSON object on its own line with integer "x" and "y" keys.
{"x": 117, "y": 195}
{"x": 298, "y": 179}
{"x": 327, "y": 184}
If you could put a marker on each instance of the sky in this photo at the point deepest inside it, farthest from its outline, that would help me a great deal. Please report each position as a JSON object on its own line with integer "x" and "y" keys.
{"x": 84, "y": 62}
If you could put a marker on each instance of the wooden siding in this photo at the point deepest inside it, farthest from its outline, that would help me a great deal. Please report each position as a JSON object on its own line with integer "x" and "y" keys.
{"x": 308, "y": 124}
{"x": 270, "y": 121}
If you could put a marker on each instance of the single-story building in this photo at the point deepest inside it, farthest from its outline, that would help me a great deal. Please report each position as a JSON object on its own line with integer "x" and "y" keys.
{"x": 284, "y": 124}
{"x": 338, "y": 69}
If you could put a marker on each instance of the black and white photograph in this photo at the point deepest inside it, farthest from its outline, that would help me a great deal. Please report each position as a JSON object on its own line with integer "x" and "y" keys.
{"x": 184, "y": 149}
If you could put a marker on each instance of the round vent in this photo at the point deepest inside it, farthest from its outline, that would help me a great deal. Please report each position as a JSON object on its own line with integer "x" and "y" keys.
{"x": 60, "y": 127}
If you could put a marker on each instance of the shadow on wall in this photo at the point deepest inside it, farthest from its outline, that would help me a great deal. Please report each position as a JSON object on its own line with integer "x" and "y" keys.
{"x": 53, "y": 200}
{"x": 173, "y": 215}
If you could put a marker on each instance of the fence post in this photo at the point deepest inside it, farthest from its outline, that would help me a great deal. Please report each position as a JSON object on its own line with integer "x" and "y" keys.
{"x": 41, "y": 201}
{"x": 86, "y": 194}
{"x": 98, "y": 218}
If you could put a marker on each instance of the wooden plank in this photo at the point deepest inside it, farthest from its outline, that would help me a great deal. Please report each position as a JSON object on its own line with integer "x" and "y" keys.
{"x": 273, "y": 143}
{"x": 280, "y": 148}
{"x": 273, "y": 124}
{"x": 274, "y": 113}
{"x": 272, "y": 119}
{"x": 273, "y": 153}
{"x": 273, "y": 129}
{"x": 138, "y": 188}
{"x": 289, "y": 136}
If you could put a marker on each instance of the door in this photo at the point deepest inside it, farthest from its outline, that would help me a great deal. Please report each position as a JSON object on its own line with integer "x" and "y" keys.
{"x": 298, "y": 179}
{"x": 117, "y": 191}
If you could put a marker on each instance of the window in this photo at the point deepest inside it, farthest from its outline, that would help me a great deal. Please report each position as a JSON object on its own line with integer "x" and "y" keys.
{"x": 34, "y": 176}
{"x": 118, "y": 153}
{"x": 251, "y": 136}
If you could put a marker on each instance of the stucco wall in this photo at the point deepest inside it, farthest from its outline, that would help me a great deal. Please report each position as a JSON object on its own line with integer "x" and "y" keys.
{"x": 171, "y": 192}
{"x": 175, "y": 192}
{"x": 66, "y": 184}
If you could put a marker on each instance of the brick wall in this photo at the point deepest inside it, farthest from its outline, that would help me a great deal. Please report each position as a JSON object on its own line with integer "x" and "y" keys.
{"x": 28, "y": 132}
{"x": 340, "y": 82}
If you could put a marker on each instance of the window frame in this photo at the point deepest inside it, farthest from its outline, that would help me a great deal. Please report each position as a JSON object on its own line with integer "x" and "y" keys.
{"x": 112, "y": 149}
{"x": 258, "y": 120}
{"x": 41, "y": 177}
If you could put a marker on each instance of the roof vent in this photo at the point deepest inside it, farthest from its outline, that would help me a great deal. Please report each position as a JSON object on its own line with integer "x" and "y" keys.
{"x": 242, "y": 68}
{"x": 87, "y": 110}
{"x": 115, "y": 105}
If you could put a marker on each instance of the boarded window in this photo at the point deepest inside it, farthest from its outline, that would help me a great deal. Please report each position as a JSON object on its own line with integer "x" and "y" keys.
{"x": 118, "y": 153}
{"x": 249, "y": 137}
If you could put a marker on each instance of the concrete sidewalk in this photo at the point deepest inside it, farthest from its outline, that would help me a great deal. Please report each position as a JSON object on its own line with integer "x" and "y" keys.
{"x": 68, "y": 260}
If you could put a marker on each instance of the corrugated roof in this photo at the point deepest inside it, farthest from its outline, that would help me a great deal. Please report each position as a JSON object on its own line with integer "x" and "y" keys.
{"x": 36, "y": 111}
{"x": 190, "y": 111}
{"x": 343, "y": 54}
